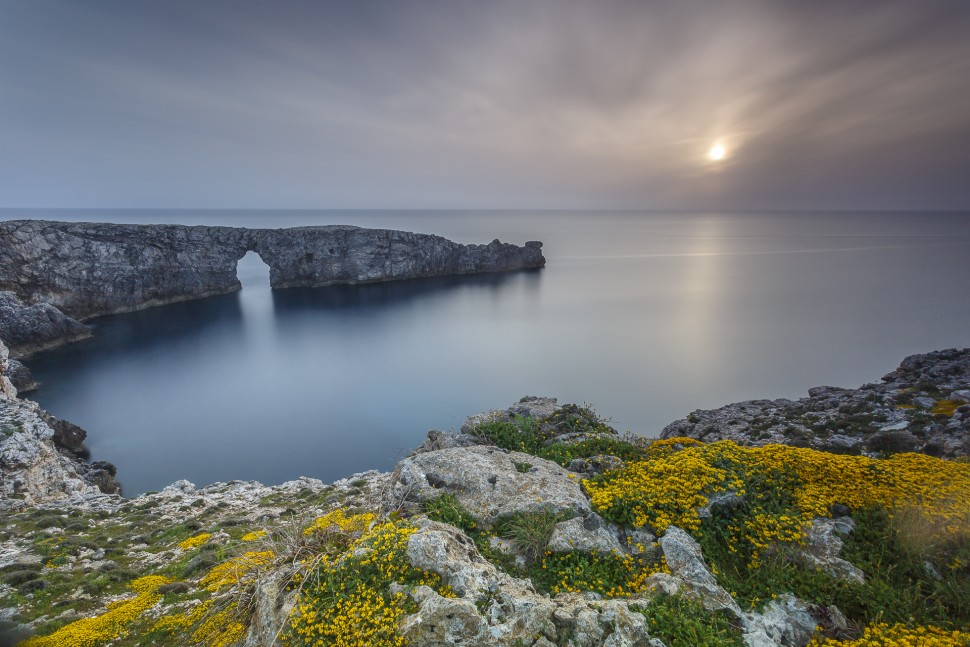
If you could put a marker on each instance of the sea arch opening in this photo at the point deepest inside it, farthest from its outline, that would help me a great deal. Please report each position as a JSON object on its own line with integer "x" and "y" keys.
{"x": 253, "y": 272}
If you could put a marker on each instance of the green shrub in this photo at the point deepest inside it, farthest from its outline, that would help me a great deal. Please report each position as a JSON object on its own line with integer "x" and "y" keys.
{"x": 447, "y": 509}
{"x": 680, "y": 622}
{"x": 530, "y": 531}
{"x": 538, "y": 437}
{"x": 608, "y": 574}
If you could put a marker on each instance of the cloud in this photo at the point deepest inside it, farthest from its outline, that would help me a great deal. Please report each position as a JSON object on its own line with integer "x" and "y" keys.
{"x": 502, "y": 104}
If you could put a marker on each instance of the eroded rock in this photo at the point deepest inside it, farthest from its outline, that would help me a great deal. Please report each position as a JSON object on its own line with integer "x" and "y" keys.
{"x": 488, "y": 483}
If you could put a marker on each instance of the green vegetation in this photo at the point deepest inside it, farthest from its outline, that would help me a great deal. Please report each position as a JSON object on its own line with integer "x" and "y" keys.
{"x": 530, "y": 531}
{"x": 540, "y": 437}
{"x": 447, "y": 509}
{"x": 680, "y": 622}
{"x": 907, "y": 579}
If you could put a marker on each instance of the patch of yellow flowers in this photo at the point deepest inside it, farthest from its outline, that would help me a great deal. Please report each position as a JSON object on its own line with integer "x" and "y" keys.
{"x": 347, "y": 601}
{"x": 898, "y": 635}
{"x": 338, "y": 520}
{"x": 195, "y": 542}
{"x": 678, "y": 475}
{"x": 110, "y": 625}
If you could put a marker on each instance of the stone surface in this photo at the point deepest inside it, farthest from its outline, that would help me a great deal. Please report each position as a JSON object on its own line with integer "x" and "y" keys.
{"x": 785, "y": 621}
{"x": 824, "y": 547}
{"x": 28, "y": 328}
{"x": 686, "y": 562}
{"x": 494, "y": 608}
{"x": 81, "y": 270}
{"x": 7, "y": 390}
{"x": 895, "y": 415}
{"x": 592, "y": 533}
{"x": 21, "y": 377}
{"x": 589, "y": 534}
{"x": 487, "y": 483}
{"x": 32, "y": 468}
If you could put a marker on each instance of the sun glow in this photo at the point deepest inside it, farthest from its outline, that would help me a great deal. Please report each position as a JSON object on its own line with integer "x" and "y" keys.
{"x": 717, "y": 152}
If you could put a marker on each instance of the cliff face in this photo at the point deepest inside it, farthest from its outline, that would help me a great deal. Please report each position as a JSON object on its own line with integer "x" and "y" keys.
{"x": 55, "y": 273}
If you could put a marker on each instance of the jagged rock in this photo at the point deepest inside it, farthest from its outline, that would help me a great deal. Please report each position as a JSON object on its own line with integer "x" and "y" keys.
{"x": 7, "y": 390}
{"x": 785, "y": 621}
{"x": 445, "y": 440}
{"x": 533, "y": 406}
{"x": 32, "y": 469}
{"x": 21, "y": 377}
{"x": 530, "y": 406}
{"x": 487, "y": 483}
{"x": 592, "y": 533}
{"x": 823, "y": 548}
{"x": 595, "y": 464}
{"x": 86, "y": 269}
{"x": 493, "y": 608}
{"x": 68, "y": 436}
{"x": 894, "y": 416}
{"x": 686, "y": 563}
{"x": 272, "y": 606}
{"x": 585, "y": 534}
{"x": 719, "y": 501}
{"x": 30, "y": 327}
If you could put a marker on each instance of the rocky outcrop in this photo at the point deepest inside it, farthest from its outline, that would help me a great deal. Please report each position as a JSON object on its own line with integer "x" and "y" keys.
{"x": 42, "y": 458}
{"x": 33, "y": 469}
{"x": 72, "y": 271}
{"x": 21, "y": 377}
{"x": 7, "y": 390}
{"x": 30, "y": 328}
{"x": 924, "y": 405}
{"x": 489, "y": 482}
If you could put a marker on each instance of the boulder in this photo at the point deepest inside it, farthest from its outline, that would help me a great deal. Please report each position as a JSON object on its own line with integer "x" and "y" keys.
{"x": 487, "y": 482}
{"x": 592, "y": 533}
{"x": 21, "y": 377}
{"x": 686, "y": 563}
{"x": 823, "y": 548}
{"x": 28, "y": 328}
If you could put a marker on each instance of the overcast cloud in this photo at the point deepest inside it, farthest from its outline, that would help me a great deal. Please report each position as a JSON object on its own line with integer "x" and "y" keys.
{"x": 450, "y": 104}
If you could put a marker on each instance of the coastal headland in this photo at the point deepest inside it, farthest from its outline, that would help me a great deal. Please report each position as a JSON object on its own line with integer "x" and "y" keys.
{"x": 54, "y": 275}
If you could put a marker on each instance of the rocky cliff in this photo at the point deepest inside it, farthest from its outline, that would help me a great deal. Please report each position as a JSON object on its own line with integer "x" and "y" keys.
{"x": 53, "y": 274}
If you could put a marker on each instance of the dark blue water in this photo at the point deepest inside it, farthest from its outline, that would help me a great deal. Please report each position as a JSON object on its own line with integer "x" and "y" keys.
{"x": 647, "y": 316}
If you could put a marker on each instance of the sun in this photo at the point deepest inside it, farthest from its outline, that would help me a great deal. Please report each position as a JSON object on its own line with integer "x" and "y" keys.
{"x": 717, "y": 152}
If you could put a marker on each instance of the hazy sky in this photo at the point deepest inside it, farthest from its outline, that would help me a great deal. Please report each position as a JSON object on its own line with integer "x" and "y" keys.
{"x": 485, "y": 104}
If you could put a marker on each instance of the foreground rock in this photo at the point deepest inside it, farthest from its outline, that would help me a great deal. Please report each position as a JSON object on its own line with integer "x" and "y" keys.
{"x": 489, "y": 482}
{"x": 924, "y": 405}
{"x": 64, "y": 272}
{"x": 31, "y": 328}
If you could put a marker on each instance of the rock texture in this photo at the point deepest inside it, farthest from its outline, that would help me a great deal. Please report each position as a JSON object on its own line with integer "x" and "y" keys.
{"x": 924, "y": 405}
{"x": 487, "y": 482}
{"x": 21, "y": 377}
{"x": 41, "y": 457}
{"x": 30, "y": 328}
{"x": 88, "y": 269}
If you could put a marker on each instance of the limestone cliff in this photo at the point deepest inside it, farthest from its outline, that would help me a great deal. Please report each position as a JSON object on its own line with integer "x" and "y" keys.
{"x": 55, "y": 273}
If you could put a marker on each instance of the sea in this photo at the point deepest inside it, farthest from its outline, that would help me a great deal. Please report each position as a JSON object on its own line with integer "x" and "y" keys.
{"x": 646, "y": 316}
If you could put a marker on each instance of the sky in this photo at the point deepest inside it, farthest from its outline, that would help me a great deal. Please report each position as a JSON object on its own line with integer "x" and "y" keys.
{"x": 556, "y": 104}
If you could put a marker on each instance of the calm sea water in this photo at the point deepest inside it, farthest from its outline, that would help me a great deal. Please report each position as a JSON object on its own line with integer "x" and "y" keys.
{"x": 647, "y": 316}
